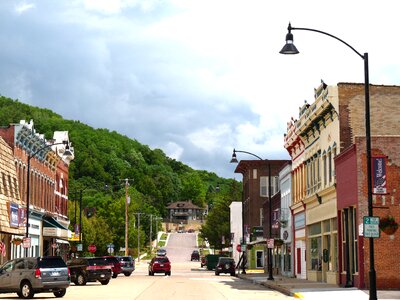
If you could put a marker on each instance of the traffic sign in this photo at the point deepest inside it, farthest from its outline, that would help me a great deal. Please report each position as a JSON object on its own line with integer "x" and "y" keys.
{"x": 371, "y": 227}
{"x": 92, "y": 248}
{"x": 26, "y": 242}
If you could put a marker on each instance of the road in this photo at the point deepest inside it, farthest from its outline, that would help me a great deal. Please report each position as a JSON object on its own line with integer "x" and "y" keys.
{"x": 187, "y": 281}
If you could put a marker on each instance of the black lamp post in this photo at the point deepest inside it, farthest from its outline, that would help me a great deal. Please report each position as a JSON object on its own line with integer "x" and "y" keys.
{"x": 234, "y": 160}
{"x": 28, "y": 185}
{"x": 290, "y": 48}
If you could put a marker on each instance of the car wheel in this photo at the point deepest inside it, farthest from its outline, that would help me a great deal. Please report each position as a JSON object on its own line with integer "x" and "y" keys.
{"x": 114, "y": 275}
{"x": 26, "y": 290}
{"x": 80, "y": 279}
{"x": 233, "y": 274}
{"x": 216, "y": 273}
{"x": 127, "y": 274}
{"x": 60, "y": 293}
{"x": 105, "y": 282}
{"x": 168, "y": 273}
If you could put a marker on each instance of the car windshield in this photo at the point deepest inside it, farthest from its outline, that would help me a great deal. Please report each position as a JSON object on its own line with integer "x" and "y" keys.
{"x": 125, "y": 258}
{"x": 161, "y": 260}
{"x": 51, "y": 262}
{"x": 225, "y": 260}
{"x": 96, "y": 262}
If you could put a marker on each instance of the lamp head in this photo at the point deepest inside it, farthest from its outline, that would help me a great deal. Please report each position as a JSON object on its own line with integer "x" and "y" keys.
{"x": 289, "y": 47}
{"x": 234, "y": 159}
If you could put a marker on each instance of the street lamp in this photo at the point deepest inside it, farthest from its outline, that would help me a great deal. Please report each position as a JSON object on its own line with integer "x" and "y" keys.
{"x": 67, "y": 152}
{"x": 234, "y": 160}
{"x": 290, "y": 48}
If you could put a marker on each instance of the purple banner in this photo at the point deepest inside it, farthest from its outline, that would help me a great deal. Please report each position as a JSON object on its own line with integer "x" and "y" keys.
{"x": 379, "y": 175}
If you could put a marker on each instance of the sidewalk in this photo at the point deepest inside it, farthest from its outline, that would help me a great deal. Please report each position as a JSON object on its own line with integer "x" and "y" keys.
{"x": 298, "y": 288}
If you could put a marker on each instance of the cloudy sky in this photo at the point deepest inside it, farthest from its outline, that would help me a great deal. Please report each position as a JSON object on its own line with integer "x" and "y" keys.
{"x": 195, "y": 78}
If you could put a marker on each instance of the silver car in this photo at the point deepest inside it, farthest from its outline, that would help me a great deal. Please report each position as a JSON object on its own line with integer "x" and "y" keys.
{"x": 30, "y": 275}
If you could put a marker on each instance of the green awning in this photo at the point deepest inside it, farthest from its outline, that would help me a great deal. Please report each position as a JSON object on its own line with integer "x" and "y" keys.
{"x": 51, "y": 222}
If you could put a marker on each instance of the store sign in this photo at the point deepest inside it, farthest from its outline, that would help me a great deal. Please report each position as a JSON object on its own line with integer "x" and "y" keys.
{"x": 270, "y": 243}
{"x": 258, "y": 230}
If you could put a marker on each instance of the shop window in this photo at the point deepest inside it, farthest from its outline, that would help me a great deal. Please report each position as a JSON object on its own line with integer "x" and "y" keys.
{"x": 314, "y": 229}
{"x": 316, "y": 254}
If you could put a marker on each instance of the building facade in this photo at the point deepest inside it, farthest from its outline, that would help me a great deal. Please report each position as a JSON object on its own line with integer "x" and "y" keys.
{"x": 352, "y": 186}
{"x": 48, "y": 181}
{"x": 256, "y": 213}
{"x": 236, "y": 228}
{"x": 11, "y": 228}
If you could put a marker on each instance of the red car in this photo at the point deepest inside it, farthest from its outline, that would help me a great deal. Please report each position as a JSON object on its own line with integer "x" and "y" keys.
{"x": 160, "y": 264}
{"x": 115, "y": 265}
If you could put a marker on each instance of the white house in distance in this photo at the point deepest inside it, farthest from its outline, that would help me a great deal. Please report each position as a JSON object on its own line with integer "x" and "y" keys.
{"x": 236, "y": 227}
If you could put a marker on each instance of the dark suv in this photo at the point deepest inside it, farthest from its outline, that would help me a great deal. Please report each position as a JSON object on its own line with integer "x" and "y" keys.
{"x": 115, "y": 265}
{"x": 195, "y": 255}
{"x": 127, "y": 264}
{"x": 89, "y": 269}
{"x": 30, "y": 275}
{"x": 225, "y": 265}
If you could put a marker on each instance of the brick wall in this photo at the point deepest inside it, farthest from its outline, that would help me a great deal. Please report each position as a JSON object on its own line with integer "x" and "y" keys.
{"x": 386, "y": 263}
{"x": 384, "y": 111}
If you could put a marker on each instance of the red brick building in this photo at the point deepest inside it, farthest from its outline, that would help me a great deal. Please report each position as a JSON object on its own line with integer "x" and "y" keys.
{"x": 351, "y": 184}
{"x": 48, "y": 202}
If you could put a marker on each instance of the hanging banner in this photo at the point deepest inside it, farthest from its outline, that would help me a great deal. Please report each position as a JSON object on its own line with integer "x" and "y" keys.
{"x": 14, "y": 215}
{"x": 379, "y": 175}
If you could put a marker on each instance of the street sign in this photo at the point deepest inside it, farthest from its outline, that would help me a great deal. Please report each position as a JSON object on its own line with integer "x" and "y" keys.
{"x": 26, "y": 242}
{"x": 270, "y": 243}
{"x": 79, "y": 247}
{"x": 371, "y": 227}
{"x": 238, "y": 248}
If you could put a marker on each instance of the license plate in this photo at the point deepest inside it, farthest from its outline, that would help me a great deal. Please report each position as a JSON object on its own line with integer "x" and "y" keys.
{"x": 102, "y": 275}
{"x": 161, "y": 265}
{"x": 55, "y": 273}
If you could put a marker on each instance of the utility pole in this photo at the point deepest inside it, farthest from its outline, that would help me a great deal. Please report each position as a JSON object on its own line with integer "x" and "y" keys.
{"x": 151, "y": 232}
{"x": 127, "y": 201}
{"x": 138, "y": 238}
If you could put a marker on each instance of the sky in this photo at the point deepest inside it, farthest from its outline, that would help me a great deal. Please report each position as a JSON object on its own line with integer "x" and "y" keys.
{"x": 194, "y": 78}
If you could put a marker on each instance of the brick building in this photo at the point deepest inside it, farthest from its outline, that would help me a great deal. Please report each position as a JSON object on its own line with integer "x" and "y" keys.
{"x": 327, "y": 146}
{"x": 256, "y": 211}
{"x": 48, "y": 210}
{"x": 11, "y": 230}
{"x": 352, "y": 185}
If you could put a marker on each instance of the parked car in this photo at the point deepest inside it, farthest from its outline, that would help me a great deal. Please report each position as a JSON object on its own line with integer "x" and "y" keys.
{"x": 127, "y": 264}
{"x": 191, "y": 230}
{"x": 115, "y": 265}
{"x": 161, "y": 252}
{"x": 195, "y": 255}
{"x": 225, "y": 265}
{"x": 89, "y": 269}
{"x": 160, "y": 264}
{"x": 30, "y": 275}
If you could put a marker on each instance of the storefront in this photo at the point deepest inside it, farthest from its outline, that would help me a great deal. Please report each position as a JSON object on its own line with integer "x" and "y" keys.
{"x": 55, "y": 237}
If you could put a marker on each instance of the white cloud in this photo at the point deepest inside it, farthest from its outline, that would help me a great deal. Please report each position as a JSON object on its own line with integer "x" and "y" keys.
{"x": 23, "y": 7}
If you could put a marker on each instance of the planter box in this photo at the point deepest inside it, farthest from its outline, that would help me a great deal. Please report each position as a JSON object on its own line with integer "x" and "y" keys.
{"x": 314, "y": 275}
{"x": 331, "y": 277}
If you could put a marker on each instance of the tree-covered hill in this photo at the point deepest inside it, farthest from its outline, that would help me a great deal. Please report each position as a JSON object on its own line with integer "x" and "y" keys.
{"x": 107, "y": 158}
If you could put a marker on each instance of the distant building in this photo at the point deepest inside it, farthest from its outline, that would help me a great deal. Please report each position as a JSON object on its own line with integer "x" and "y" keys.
{"x": 236, "y": 227}
{"x": 184, "y": 211}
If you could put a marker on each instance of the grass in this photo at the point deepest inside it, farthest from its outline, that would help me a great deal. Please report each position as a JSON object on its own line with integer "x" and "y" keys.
{"x": 161, "y": 243}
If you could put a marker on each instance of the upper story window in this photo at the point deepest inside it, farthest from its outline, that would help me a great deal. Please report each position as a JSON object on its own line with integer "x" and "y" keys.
{"x": 264, "y": 192}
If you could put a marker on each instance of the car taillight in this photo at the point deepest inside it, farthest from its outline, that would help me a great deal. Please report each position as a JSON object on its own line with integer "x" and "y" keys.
{"x": 69, "y": 274}
{"x": 38, "y": 273}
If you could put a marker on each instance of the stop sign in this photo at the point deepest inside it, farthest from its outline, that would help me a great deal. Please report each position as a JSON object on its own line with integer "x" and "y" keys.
{"x": 238, "y": 248}
{"x": 92, "y": 248}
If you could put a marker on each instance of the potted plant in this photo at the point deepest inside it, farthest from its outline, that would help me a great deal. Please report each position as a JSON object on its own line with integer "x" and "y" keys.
{"x": 388, "y": 225}
{"x": 17, "y": 241}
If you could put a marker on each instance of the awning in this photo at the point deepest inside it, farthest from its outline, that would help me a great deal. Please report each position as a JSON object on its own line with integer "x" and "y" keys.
{"x": 60, "y": 241}
{"x": 51, "y": 222}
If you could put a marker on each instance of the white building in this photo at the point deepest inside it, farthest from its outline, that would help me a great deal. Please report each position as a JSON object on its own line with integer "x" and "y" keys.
{"x": 236, "y": 227}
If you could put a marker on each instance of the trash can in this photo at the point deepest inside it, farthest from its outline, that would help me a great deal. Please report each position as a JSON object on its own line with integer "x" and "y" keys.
{"x": 212, "y": 260}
